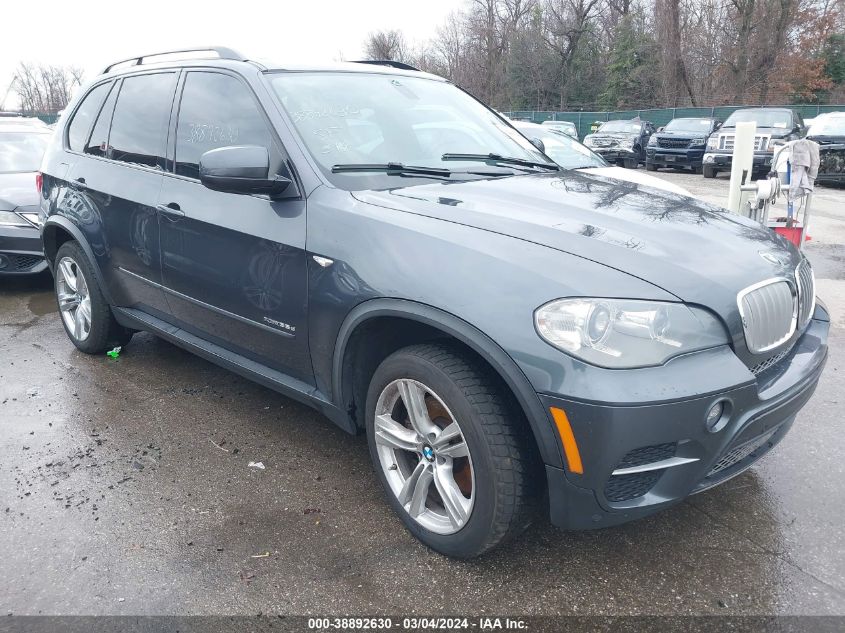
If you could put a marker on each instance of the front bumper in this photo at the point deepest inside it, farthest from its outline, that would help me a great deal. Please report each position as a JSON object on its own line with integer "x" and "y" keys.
{"x": 723, "y": 160}
{"x": 675, "y": 157}
{"x": 613, "y": 154}
{"x": 610, "y": 437}
{"x": 21, "y": 252}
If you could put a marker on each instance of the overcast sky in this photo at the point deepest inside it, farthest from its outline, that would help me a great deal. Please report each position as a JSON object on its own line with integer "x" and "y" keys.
{"x": 93, "y": 33}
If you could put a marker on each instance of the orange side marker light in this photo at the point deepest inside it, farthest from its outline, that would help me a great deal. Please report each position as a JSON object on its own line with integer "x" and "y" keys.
{"x": 570, "y": 447}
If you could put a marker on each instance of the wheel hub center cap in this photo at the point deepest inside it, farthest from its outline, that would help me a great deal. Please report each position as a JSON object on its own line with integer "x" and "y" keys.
{"x": 428, "y": 453}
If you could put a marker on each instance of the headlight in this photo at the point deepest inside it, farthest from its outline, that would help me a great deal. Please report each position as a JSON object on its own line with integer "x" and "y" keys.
{"x": 652, "y": 140}
{"x": 588, "y": 141}
{"x": 7, "y": 218}
{"x": 623, "y": 333}
{"x": 713, "y": 142}
{"x": 697, "y": 142}
{"x": 628, "y": 142}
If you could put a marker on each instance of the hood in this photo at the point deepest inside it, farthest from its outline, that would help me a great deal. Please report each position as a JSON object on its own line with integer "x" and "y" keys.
{"x": 681, "y": 135}
{"x": 774, "y": 132}
{"x": 696, "y": 251}
{"x": 635, "y": 175}
{"x": 828, "y": 139}
{"x": 17, "y": 190}
{"x": 616, "y": 136}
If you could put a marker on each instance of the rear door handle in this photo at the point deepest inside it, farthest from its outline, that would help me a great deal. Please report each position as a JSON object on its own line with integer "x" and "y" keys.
{"x": 171, "y": 211}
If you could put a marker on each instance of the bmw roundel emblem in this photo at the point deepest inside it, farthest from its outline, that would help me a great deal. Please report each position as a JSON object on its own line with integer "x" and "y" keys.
{"x": 428, "y": 453}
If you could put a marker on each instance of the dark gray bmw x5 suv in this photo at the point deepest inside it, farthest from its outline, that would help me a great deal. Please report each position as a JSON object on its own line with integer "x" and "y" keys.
{"x": 373, "y": 241}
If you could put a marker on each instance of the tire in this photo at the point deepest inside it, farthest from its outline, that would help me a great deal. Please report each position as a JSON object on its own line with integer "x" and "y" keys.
{"x": 502, "y": 464}
{"x": 650, "y": 166}
{"x": 709, "y": 172}
{"x": 103, "y": 332}
{"x": 697, "y": 169}
{"x": 630, "y": 163}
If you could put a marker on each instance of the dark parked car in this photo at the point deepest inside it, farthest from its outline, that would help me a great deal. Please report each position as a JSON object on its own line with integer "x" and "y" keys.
{"x": 621, "y": 142}
{"x": 680, "y": 144}
{"x": 570, "y": 154}
{"x": 378, "y": 244}
{"x": 828, "y": 130}
{"x": 21, "y": 150}
{"x": 775, "y": 126}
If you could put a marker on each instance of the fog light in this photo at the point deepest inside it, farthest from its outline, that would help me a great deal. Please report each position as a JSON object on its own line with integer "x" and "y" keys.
{"x": 714, "y": 416}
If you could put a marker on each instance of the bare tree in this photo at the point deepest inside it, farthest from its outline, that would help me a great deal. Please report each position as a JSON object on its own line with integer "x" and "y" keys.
{"x": 593, "y": 54}
{"x": 45, "y": 89}
{"x": 675, "y": 78}
{"x": 386, "y": 45}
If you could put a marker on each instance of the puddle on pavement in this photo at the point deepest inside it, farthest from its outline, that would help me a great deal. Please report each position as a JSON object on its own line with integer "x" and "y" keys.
{"x": 42, "y": 303}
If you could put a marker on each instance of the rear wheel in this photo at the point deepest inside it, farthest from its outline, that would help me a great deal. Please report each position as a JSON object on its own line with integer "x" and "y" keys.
{"x": 630, "y": 163}
{"x": 86, "y": 316}
{"x": 709, "y": 172}
{"x": 452, "y": 454}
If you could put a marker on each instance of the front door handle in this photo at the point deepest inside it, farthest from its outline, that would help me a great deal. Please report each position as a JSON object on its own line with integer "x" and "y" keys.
{"x": 171, "y": 211}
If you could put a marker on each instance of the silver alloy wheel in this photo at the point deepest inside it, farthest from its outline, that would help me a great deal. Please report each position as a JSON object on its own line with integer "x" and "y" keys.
{"x": 420, "y": 443}
{"x": 74, "y": 298}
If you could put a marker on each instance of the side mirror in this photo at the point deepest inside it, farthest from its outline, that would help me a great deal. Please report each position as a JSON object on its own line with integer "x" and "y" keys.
{"x": 240, "y": 169}
{"x": 717, "y": 126}
{"x": 661, "y": 128}
{"x": 538, "y": 143}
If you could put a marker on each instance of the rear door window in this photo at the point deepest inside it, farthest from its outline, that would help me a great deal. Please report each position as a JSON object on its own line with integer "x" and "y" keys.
{"x": 141, "y": 117}
{"x": 84, "y": 116}
{"x": 217, "y": 110}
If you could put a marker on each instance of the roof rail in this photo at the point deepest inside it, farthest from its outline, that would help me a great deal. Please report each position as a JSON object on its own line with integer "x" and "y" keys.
{"x": 387, "y": 62}
{"x": 222, "y": 53}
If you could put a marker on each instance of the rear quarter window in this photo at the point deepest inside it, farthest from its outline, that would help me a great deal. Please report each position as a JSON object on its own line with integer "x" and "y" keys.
{"x": 84, "y": 116}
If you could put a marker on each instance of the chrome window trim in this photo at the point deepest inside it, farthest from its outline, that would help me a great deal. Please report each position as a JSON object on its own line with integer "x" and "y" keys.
{"x": 793, "y": 326}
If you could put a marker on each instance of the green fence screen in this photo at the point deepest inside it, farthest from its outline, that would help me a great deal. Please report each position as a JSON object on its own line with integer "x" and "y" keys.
{"x": 658, "y": 116}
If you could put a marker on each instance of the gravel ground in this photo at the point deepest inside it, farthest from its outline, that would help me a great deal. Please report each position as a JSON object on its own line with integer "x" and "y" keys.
{"x": 125, "y": 489}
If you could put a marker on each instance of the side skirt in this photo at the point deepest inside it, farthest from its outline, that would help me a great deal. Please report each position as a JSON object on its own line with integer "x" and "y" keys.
{"x": 275, "y": 380}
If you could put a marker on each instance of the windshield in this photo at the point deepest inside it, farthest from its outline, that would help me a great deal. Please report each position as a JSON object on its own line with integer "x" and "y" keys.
{"x": 828, "y": 126}
{"x": 363, "y": 118}
{"x": 21, "y": 151}
{"x": 701, "y": 126}
{"x": 763, "y": 118}
{"x": 629, "y": 127}
{"x": 565, "y": 150}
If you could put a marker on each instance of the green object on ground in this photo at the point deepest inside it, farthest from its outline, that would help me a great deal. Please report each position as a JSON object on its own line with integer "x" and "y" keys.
{"x": 114, "y": 353}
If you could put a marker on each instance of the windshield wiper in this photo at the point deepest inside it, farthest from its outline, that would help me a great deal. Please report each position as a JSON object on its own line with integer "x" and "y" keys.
{"x": 505, "y": 160}
{"x": 394, "y": 169}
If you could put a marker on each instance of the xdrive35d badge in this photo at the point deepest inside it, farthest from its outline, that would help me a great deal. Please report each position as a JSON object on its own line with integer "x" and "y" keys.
{"x": 449, "y": 302}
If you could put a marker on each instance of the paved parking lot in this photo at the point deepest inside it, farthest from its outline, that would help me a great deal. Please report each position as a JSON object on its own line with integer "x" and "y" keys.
{"x": 125, "y": 489}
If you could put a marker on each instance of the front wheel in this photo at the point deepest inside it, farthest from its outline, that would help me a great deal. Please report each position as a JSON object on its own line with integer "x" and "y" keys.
{"x": 451, "y": 452}
{"x": 709, "y": 172}
{"x": 86, "y": 316}
{"x": 630, "y": 163}
{"x": 650, "y": 166}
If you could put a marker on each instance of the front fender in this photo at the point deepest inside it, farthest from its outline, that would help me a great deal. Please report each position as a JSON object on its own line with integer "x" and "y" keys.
{"x": 469, "y": 335}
